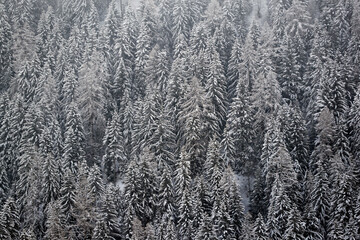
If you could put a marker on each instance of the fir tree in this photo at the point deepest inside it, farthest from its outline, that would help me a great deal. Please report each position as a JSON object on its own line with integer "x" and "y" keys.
{"x": 259, "y": 230}
{"x": 341, "y": 209}
{"x": 182, "y": 175}
{"x": 199, "y": 123}
{"x": 166, "y": 195}
{"x": 74, "y": 139}
{"x": 91, "y": 102}
{"x": 216, "y": 84}
{"x": 239, "y": 133}
{"x": 185, "y": 216}
{"x": 6, "y": 70}
{"x": 9, "y": 220}
{"x": 140, "y": 188}
{"x": 107, "y": 226}
{"x": 295, "y": 137}
{"x": 205, "y": 231}
{"x": 66, "y": 203}
{"x": 295, "y": 227}
{"x": 279, "y": 210}
{"x": 113, "y": 161}
{"x": 222, "y": 221}
{"x": 50, "y": 173}
{"x": 54, "y": 227}
{"x": 182, "y": 20}
{"x": 11, "y": 132}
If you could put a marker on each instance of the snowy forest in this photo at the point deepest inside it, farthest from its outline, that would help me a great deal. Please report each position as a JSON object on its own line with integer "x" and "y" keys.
{"x": 180, "y": 119}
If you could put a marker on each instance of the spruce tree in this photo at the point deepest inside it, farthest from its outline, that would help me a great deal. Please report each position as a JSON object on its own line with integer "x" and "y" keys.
{"x": 222, "y": 221}
{"x": 182, "y": 175}
{"x": 113, "y": 161}
{"x": 239, "y": 133}
{"x": 259, "y": 230}
{"x": 74, "y": 139}
{"x": 182, "y": 21}
{"x": 295, "y": 227}
{"x": 199, "y": 123}
{"x": 205, "y": 231}
{"x": 91, "y": 101}
{"x": 107, "y": 226}
{"x": 50, "y": 174}
{"x": 216, "y": 84}
{"x": 140, "y": 190}
{"x": 54, "y": 227}
{"x": 185, "y": 216}
{"x": 166, "y": 194}
{"x": 6, "y": 70}
{"x": 341, "y": 208}
{"x": 279, "y": 210}
{"x": 9, "y": 220}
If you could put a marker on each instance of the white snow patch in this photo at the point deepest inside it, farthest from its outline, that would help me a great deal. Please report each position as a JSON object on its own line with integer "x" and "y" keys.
{"x": 121, "y": 185}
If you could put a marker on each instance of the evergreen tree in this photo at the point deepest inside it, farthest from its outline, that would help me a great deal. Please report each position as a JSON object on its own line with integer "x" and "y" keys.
{"x": 216, "y": 84}
{"x": 295, "y": 227}
{"x": 128, "y": 34}
{"x": 320, "y": 200}
{"x": 107, "y": 226}
{"x": 23, "y": 45}
{"x": 199, "y": 123}
{"x": 54, "y": 227}
{"x": 67, "y": 203}
{"x": 4, "y": 179}
{"x": 185, "y": 216}
{"x": 69, "y": 84}
{"x": 45, "y": 30}
{"x": 182, "y": 175}
{"x": 354, "y": 122}
{"x": 146, "y": 120}
{"x": 205, "y": 231}
{"x": 259, "y": 230}
{"x": 197, "y": 210}
{"x": 266, "y": 96}
{"x": 166, "y": 228}
{"x": 163, "y": 141}
{"x": 74, "y": 139}
{"x": 182, "y": 20}
{"x": 145, "y": 43}
{"x": 166, "y": 195}
{"x": 9, "y": 220}
{"x": 91, "y": 102}
{"x": 277, "y": 11}
{"x": 140, "y": 188}
{"x": 28, "y": 172}
{"x": 235, "y": 203}
{"x": 50, "y": 173}
{"x": 334, "y": 94}
{"x": 11, "y": 132}
{"x": 275, "y": 158}
{"x": 222, "y": 221}
{"x": 341, "y": 209}
{"x": 248, "y": 65}
{"x": 157, "y": 69}
{"x": 233, "y": 73}
{"x": 6, "y": 70}
{"x": 279, "y": 210}
{"x": 357, "y": 216}
{"x": 295, "y": 137}
{"x": 239, "y": 133}
{"x": 113, "y": 161}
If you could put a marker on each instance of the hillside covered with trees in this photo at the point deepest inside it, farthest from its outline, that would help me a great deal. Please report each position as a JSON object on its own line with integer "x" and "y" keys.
{"x": 181, "y": 119}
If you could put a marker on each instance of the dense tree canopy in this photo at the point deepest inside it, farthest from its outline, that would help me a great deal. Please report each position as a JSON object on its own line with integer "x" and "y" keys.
{"x": 180, "y": 119}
